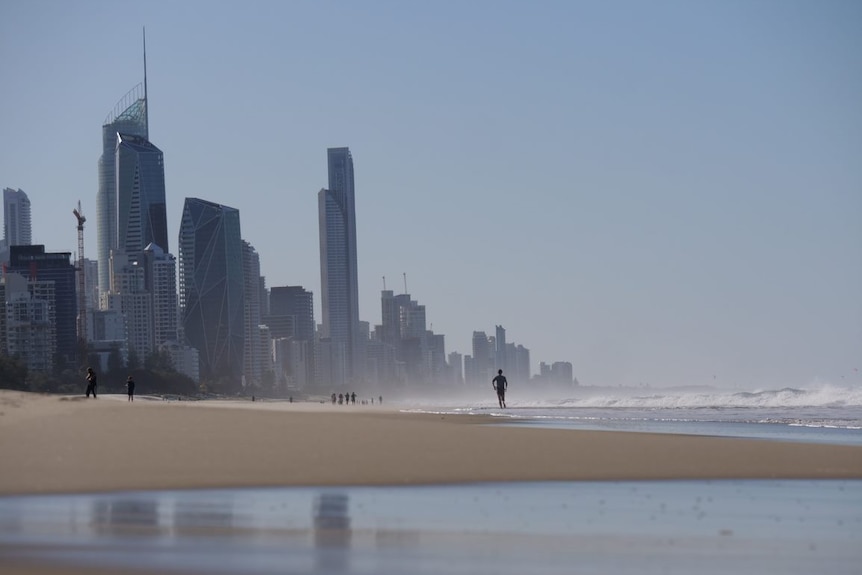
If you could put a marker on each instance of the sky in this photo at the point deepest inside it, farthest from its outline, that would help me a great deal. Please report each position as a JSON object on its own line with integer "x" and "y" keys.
{"x": 661, "y": 193}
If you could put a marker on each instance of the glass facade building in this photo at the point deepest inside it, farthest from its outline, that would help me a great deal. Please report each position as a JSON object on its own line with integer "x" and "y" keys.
{"x": 338, "y": 265}
{"x": 128, "y": 117}
{"x": 295, "y": 302}
{"x": 33, "y": 263}
{"x": 211, "y": 289}
{"x": 17, "y": 227}
{"x": 141, "y": 210}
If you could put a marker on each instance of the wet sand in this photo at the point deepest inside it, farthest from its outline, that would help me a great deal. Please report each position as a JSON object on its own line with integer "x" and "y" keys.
{"x": 54, "y": 444}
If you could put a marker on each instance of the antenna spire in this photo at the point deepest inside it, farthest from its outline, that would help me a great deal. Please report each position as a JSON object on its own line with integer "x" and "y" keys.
{"x": 405, "y": 282}
{"x": 146, "y": 102}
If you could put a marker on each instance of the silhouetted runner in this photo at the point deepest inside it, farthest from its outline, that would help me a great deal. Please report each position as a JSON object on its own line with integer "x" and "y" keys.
{"x": 500, "y": 384}
{"x": 130, "y": 388}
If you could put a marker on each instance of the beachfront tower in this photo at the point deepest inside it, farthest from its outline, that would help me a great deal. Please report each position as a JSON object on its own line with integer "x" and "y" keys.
{"x": 141, "y": 210}
{"x": 128, "y": 117}
{"x": 338, "y": 265}
{"x": 211, "y": 290}
{"x": 17, "y": 230}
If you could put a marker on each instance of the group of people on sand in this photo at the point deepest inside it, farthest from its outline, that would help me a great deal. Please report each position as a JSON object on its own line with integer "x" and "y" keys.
{"x": 499, "y": 384}
{"x": 350, "y": 398}
{"x": 92, "y": 382}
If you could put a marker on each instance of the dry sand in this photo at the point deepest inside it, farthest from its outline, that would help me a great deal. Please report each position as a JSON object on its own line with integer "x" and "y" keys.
{"x": 54, "y": 444}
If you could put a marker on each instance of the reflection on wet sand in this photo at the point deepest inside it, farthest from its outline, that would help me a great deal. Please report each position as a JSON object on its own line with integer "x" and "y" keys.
{"x": 659, "y": 527}
{"x": 202, "y": 515}
{"x": 332, "y": 533}
{"x": 116, "y": 515}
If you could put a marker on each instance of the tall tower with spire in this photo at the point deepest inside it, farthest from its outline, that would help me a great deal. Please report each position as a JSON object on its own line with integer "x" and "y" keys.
{"x": 128, "y": 117}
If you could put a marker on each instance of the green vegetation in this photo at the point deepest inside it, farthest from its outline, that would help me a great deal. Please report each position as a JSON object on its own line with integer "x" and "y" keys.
{"x": 155, "y": 376}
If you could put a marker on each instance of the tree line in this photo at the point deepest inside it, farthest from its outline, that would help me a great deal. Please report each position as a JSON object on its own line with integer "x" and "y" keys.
{"x": 153, "y": 375}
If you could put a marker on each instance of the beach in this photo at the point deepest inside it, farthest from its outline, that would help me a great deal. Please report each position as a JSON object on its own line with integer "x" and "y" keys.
{"x": 65, "y": 444}
{"x": 227, "y": 486}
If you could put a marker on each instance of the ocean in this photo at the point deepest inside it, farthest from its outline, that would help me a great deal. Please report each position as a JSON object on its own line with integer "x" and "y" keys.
{"x": 820, "y": 413}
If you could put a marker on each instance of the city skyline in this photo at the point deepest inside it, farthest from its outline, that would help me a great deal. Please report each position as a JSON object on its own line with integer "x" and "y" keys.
{"x": 665, "y": 194}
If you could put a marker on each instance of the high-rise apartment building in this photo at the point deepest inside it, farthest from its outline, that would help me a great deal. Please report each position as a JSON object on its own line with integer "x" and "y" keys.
{"x": 211, "y": 289}
{"x": 36, "y": 265}
{"x": 28, "y": 321}
{"x": 17, "y": 227}
{"x": 253, "y": 369}
{"x": 291, "y": 324}
{"x": 128, "y": 296}
{"x": 160, "y": 280}
{"x": 338, "y": 264}
{"x": 141, "y": 209}
{"x": 295, "y": 302}
{"x": 500, "y": 356}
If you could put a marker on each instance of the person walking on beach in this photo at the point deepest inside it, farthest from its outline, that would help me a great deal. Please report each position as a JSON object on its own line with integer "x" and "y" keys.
{"x": 91, "y": 382}
{"x": 500, "y": 384}
{"x": 130, "y": 388}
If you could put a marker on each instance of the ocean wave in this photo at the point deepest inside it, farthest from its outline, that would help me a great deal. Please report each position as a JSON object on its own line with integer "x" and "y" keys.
{"x": 824, "y": 396}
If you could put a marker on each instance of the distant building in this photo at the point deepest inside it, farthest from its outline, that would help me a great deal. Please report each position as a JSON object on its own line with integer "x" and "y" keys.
{"x": 298, "y": 303}
{"x": 338, "y": 264}
{"x": 252, "y": 369}
{"x": 521, "y": 365}
{"x": 29, "y": 321}
{"x": 291, "y": 324}
{"x": 36, "y": 265}
{"x": 91, "y": 281}
{"x": 128, "y": 117}
{"x": 17, "y": 225}
{"x": 456, "y": 368}
{"x": 141, "y": 208}
{"x": 160, "y": 280}
{"x": 211, "y": 289}
{"x": 482, "y": 364}
{"x": 559, "y": 373}
{"x": 264, "y": 357}
{"x": 184, "y": 358}
{"x": 128, "y": 295}
{"x": 108, "y": 334}
{"x": 500, "y": 357}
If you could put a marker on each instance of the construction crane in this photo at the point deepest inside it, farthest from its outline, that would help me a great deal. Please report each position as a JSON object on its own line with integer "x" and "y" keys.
{"x": 82, "y": 287}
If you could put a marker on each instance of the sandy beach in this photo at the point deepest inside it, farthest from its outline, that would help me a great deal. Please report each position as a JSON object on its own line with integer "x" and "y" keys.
{"x": 53, "y": 444}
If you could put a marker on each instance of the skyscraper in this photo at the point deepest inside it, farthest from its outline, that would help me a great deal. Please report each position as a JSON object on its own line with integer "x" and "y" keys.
{"x": 251, "y": 314}
{"x": 338, "y": 265}
{"x": 141, "y": 210}
{"x": 295, "y": 302}
{"x": 129, "y": 117}
{"x": 211, "y": 289}
{"x": 17, "y": 229}
{"x": 36, "y": 265}
{"x": 160, "y": 280}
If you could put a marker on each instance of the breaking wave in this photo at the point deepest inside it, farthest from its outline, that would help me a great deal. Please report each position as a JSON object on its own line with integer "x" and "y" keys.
{"x": 788, "y": 397}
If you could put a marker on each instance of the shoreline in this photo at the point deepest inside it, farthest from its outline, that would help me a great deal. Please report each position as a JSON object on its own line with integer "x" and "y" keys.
{"x": 68, "y": 444}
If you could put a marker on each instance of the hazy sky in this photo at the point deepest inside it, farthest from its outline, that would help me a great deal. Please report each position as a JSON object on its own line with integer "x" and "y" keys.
{"x": 660, "y": 192}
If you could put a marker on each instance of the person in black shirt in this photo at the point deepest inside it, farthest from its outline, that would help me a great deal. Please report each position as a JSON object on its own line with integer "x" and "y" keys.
{"x": 91, "y": 382}
{"x": 500, "y": 384}
{"x": 130, "y": 388}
